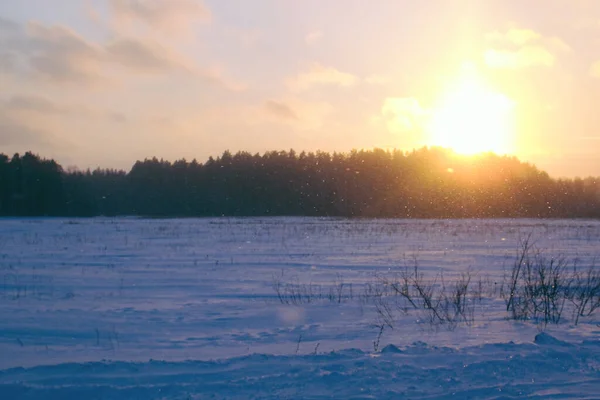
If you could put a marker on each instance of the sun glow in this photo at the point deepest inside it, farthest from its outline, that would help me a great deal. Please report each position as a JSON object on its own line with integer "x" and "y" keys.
{"x": 472, "y": 118}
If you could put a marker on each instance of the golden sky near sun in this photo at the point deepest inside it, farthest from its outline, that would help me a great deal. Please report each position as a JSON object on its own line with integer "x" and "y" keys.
{"x": 107, "y": 82}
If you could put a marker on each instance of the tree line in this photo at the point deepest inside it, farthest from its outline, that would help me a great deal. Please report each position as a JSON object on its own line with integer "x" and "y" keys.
{"x": 423, "y": 183}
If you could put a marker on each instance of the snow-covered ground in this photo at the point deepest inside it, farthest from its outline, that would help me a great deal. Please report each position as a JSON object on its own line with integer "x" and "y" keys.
{"x": 139, "y": 308}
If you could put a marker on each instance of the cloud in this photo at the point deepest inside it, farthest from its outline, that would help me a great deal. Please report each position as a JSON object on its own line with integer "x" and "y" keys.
{"x": 218, "y": 75}
{"x": 294, "y": 112}
{"x": 8, "y": 26}
{"x": 403, "y": 114}
{"x": 528, "y": 56}
{"x": 54, "y": 52}
{"x": 172, "y": 17}
{"x": 150, "y": 57}
{"x": 557, "y": 44}
{"x": 313, "y": 37}
{"x": 9, "y": 38}
{"x": 521, "y": 37}
{"x": 143, "y": 56}
{"x": 23, "y": 106}
{"x": 14, "y": 133}
{"x": 595, "y": 70}
{"x": 34, "y": 103}
{"x": 280, "y": 110}
{"x": 8, "y": 62}
{"x": 516, "y": 36}
{"x": 117, "y": 117}
{"x": 59, "y": 53}
{"x": 586, "y": 22}
{"x": 522, "y": 48}
{"x": 376, "y": 79}
{"x": 321, "y": 75}
{"x": 249, "y": 38}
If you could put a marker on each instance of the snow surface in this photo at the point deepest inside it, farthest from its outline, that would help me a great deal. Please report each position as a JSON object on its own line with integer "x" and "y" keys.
{"x": 184, "y": 309}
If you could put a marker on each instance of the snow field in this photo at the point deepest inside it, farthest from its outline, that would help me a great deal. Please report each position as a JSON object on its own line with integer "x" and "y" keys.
{"x": 86, "y": 304}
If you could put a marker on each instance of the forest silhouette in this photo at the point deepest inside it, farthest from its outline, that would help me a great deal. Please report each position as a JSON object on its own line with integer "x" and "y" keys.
{"x": 423, "y": 183}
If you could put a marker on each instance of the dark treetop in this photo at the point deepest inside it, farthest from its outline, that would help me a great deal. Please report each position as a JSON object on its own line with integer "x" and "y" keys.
{"x": 424, "y": 183}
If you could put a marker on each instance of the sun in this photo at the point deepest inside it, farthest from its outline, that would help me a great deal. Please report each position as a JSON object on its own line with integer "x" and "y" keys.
{"x": 472, "y": 118}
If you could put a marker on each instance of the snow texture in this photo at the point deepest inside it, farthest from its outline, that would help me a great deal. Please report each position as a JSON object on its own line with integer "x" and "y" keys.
{"x": 186, "y": 309}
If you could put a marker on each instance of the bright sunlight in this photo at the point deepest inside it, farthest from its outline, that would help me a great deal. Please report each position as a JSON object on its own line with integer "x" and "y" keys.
{"x": 472, "y": 118}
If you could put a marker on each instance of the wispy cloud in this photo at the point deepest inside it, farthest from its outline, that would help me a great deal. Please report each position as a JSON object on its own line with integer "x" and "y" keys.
{"x": 57, "y": 54}
{"x": 34, "y": 103}
{"x": 521, "y": 48}
{"x": 377, "y": 79}
{"x": 313, "y": 37}
{"x": 528, "y": 56}
{"x": 403, "y": 114}
{"x": 521, "y": 37}
{"x": 321, "y": 75}
{"x": 172, "y": 17}
{"x": 21, "y": 107}
{"x": 292, "y": 111}
{"x": 7, "y": 25}
{"x": 15, "y": 134}
{"x": 147, "y": 56}
{"x": 516, "y": 36}
{"x": 280, "y": 109}
{"x": 595, "y": 69}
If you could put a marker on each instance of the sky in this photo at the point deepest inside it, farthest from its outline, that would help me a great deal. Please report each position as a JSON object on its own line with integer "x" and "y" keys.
{"x": 103, "y": 83}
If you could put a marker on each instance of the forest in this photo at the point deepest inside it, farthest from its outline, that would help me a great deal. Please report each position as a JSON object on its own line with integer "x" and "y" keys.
{"x": 422, "y": 183}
